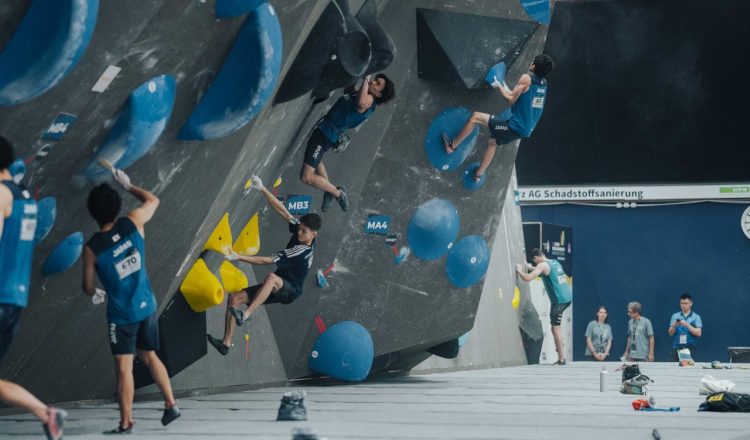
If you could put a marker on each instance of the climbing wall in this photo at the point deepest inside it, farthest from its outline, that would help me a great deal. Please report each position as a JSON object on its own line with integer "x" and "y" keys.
{"x": 145, "y": 95}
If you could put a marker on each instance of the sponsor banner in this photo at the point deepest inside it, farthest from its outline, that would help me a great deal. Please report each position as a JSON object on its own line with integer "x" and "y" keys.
{"x": 632, "y": 193}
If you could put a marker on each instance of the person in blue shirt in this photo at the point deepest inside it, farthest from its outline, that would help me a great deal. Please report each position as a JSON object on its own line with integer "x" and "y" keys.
{"x": 685, "y": 327}
{"x": 349, "y": 111}
{"x": 116, "y": 254}
{"x": 18, "y": 215}
{"x": 560, "y": 294}
{"x": 527, "y": 103}
{"x": 282, "y": 286}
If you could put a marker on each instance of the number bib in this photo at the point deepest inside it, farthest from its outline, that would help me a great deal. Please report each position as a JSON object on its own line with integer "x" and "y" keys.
{"x": 28, "y": 227}
{"x": 538, "y": 102}
{"x": 129, "y": 265}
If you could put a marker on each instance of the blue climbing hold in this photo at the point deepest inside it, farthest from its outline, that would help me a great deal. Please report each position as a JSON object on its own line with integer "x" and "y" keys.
{"x": 496, "y": 74}
{"x": 463, "y": 338}
{"x": 537, "y": 9}
{"x": 45, "y": 218}
{"x": 17, "y": 170}
{"x": 433, "y": 228}
{"x": 245, "y": 82}
{"x": 235, "y": 8}
{"x": 137, "y": 128}
{"x": 45, "y": 47}
{"x": 345, "y": 351}
{"x": 450, "y": 122}
{"x": 468, "y": 177}
{"x": 64, "y": 255}
{"x": 467, "y": 261}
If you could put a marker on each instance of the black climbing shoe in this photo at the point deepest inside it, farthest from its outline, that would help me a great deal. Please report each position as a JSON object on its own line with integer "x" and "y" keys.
{"x": 342, "y": 199}
{"x": 218, "y": 345}
{"x": 327, "y": 200}
{"x": 239, "y": 317}
{"x": 171, "y": 414}
{"x": 562, "y": 362}
{"x": 119, "y": 430}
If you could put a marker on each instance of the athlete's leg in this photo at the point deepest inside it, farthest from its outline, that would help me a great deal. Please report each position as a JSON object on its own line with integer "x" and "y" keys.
{"x": 318, "y": 180}
{"x": 125, "y": 388}
{"x": 475, "y": 118}
{"x": 272, "y": 283}
{"x": 16, "y": 395}
{"x": 235, "y": 300}
{"x": 489, "y": 153}
{"x": 557, "y": 336}
{"x": 159, "y": 374}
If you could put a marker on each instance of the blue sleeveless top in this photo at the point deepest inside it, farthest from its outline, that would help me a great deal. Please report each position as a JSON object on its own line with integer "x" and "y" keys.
{"x": 527, "y": 110}
{"x": 17, "y": 247}
{"x": 342, "y": 116}
{"x": 121, "y": 266}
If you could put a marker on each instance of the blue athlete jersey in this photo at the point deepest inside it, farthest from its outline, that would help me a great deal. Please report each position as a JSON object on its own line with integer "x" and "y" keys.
{"x": 342, "y": 116}
{"x": 527, "y": 110}
{"x": 556, "y": 284}
{"x": 121, "y": 267}
{"x": 17, "y": 247}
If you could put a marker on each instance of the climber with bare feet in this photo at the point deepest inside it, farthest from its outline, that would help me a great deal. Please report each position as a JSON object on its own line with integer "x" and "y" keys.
{"x": 527, "y": 103}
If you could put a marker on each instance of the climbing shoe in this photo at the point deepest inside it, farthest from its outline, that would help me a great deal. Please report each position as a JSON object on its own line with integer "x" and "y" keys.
{"x": 54, "y": 426}
{"x": 171, "y": 414}
{"x": 342, "y": 199}
{"x": 218, "y": 345}
{"x": 239, "y": 317}
{"x": 327, "y": 200}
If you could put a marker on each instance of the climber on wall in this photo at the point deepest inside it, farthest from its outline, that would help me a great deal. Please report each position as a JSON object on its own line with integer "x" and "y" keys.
{"x": 349, "y": 111}
{"x": 282, "y": 286}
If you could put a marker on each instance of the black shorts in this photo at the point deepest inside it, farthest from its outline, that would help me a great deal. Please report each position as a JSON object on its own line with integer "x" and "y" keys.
{"x": 10, "y": 318}
{"x": 317, "y": 145}
{"x": 144, "y": 335}
{"x": 500, "y": 131}
{"x": 556, "y": 312}
{"x": 287, "y": 294}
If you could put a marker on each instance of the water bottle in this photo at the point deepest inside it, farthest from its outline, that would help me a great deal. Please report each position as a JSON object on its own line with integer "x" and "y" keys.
{"x": 603, "y": 379}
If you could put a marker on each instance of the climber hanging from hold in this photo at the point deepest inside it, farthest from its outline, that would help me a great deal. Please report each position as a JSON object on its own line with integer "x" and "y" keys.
{"x": 282, "y": 286}
{"x": 349, "y": 111}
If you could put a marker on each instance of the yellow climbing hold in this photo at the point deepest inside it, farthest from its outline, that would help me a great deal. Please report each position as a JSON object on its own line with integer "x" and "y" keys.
{"x": 248, "y": 184}
{"x": 277, "y": 183}
{"x": 201, "y": 289}
{"x": 516, "y": 299}
{"x": 220, "y": 239}
{"x": 234, "y": 279}
{"x": 248, "y": 243}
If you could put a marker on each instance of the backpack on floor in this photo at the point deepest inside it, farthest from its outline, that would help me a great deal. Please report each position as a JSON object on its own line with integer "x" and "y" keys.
{"x": 726, "y": 402}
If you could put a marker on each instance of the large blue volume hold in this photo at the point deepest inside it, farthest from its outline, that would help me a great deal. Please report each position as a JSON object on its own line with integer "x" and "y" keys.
{"x": 64, "y": 255}
{"x": 47, "y": 45}
{"x": 245, "y": 82}
{"x": 450, "y": 122}
{"x": 345, "y": 351}
{"x": 433, "y": 228}
{"x": 235, "y": 8}
{"x": 537, "y": 9}
{"x": 467, "y": 261}
{"x": 45, "y": 218}
{"x": 137, "y": 128}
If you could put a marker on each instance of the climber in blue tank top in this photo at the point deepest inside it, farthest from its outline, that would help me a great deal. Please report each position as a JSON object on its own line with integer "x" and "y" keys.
{"x": 349, "y": 111}
{"x": 117, "y": 254}
{"x": 527, "y": 103}
{"x": 18, "y": 215}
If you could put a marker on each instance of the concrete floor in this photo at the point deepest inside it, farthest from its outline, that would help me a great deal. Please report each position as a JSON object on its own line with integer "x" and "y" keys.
{"x": 526, "y": 402}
